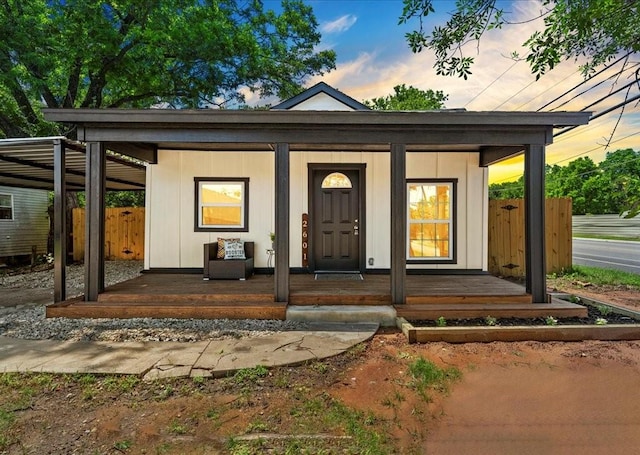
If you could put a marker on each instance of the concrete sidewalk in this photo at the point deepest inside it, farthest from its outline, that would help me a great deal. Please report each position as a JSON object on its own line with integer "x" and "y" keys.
{"x": 155, "y": 360}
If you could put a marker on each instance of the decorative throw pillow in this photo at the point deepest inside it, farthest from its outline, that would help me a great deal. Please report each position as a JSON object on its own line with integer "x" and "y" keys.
{"x": 234, "y": 249}
{"x": 221, "y": 247}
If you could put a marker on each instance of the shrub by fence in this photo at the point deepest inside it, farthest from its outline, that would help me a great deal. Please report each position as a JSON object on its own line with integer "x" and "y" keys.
{"x": 124, "y": 233}
{"x": 506, "y": 236}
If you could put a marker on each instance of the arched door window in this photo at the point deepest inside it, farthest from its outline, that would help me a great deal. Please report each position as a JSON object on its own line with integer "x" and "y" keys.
{"x": 336, "y": 180}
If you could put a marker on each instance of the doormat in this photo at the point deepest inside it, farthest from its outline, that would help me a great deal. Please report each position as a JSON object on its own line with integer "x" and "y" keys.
{"x": 339, "y": 277}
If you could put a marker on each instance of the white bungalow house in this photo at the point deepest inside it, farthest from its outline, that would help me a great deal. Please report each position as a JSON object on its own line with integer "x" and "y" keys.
{"x": 343, "y": 188}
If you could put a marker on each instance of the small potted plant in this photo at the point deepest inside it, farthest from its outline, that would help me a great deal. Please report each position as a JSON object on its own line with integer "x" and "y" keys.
{"x": 272, "y": 236}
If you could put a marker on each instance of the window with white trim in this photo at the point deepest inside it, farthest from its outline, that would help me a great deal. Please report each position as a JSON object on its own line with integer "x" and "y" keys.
{"x": 222, "y": 204}
{"x": 6, "y": 207}
{"x": 431, "y": 221}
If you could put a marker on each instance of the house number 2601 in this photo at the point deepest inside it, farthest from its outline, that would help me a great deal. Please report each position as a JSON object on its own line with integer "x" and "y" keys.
{"x": 305, "y": 240}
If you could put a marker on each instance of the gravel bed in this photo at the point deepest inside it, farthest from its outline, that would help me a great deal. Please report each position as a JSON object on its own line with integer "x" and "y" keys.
{"x": 29, "y": 322}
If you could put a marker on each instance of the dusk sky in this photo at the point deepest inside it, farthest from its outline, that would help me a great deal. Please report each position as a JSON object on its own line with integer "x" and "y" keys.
{"x": 373, "y": 57}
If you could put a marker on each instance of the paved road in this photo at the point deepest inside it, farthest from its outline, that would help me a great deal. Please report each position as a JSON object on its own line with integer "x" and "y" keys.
{"x": 611, "y": 254}
{"x": 606, "y": 225}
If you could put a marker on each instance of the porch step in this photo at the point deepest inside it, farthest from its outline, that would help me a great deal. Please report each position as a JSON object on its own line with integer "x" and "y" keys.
{"x": 184, "y": 298}
{"x": 180, "y": 310}
{"x": 496, "y": 310}
{"x": 340, "y": 297}
{"x": 383, "y": 315}
{"x": 467, "y": 299}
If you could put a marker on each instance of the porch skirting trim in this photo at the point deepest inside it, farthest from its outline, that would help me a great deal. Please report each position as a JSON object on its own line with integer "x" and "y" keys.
{"x": 303, "y": 271}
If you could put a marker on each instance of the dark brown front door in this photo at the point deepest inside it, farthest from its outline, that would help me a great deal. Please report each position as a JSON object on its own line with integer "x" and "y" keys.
{"x": 336, "y": 219}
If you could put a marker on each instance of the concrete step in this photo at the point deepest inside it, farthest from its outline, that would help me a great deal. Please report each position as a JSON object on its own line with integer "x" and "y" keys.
{"x": 385, "y": 315}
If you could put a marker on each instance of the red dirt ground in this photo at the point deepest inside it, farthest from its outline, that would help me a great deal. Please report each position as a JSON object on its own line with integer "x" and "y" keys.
{"x": 513, "y": 398}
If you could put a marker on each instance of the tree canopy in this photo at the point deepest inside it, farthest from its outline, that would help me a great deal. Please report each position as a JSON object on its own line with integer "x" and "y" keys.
{"x": 595, "y": 31}
{"x": 409, "y": 99}
{"x": 131, "y": 53}
{"x": 612, "y": 186}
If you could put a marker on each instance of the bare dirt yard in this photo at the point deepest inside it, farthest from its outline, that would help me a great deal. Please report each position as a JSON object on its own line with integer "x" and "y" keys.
{"x": 384, "y": 396}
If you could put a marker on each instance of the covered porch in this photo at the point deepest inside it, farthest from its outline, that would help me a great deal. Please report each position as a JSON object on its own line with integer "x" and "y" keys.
{"x": 428, "y": 297}
{"x": 147, "y": 135}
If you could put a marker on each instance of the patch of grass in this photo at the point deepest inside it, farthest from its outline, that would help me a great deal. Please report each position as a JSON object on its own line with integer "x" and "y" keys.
{"x": 250, "y": 375}
{"x": 122, "y": 445}
{"x": 164, "y": 392}
{"x": 6, "y": 422}
{"x": 176, "y": 427}
{"x": 490, "y": 321}
{"x": 356, "y": 351}
{"x": 10, "y": 380}
{"x": 257, "y": 426}
{"x": 282, "y": 379}
{"x": 550, "y": 320}
{"x": 319, "y": 367}
{"x": 606, "y": 237}
{"x": 600, "y": 277}
{"x": 441, "y": 322}
{"x": 604, "y": 310}
{"x": 122, "y": 384}
{"x": 359, "y": 426}
{"x": 427, "y": 375}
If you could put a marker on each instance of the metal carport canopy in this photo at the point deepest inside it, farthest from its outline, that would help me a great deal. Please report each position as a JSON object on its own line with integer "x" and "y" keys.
{"x": 28, "y": 163}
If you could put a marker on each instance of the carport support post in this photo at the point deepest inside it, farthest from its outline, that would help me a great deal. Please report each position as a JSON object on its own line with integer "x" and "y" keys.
{"x": 94, "y": 223}
{"x": 281, "y": 272}
{"x": 59, "y": 223}
{"x": 398, "y": 222}
{"x": 534, "y": 200}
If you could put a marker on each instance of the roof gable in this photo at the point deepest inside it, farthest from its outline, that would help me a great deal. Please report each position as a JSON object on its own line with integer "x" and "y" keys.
{"x": 321, "y": 97}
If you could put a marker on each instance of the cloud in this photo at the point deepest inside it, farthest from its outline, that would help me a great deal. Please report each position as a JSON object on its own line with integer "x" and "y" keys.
{"x": 342, "y": 24}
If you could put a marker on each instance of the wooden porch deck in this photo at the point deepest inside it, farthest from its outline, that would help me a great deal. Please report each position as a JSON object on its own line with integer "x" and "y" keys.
{"x": 428, "y": 297}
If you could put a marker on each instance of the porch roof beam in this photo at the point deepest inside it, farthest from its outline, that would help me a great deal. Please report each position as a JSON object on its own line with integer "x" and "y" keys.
{"x": 74, "y": 172}
{"x": 321, "y": 134}
{"x": 492, "y": 155}
{"x": 172, "y": 118}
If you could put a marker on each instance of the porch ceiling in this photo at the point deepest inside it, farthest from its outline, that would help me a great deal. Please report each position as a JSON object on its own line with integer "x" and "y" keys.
{"x": 28, "y": 163}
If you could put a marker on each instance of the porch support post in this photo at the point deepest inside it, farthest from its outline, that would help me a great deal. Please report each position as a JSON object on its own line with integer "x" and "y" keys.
{"x": 94, "y": 224}
{"x": 536, "y": 280}
{"x": 59, "y": 222}
{"x": 398, "y": 223}
{"x": 281, "y": 272}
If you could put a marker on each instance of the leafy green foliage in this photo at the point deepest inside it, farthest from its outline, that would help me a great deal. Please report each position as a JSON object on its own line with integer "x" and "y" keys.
{"x": 179, "y": 53}
{"x": 612, "y": 186}
{"x": 409, "y": 99}
{"x": 595, "y": 31}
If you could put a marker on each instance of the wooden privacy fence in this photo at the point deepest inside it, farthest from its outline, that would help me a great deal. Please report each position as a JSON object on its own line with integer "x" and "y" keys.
{"x": 506, "y": 236}
{"x": 124, "y": 233}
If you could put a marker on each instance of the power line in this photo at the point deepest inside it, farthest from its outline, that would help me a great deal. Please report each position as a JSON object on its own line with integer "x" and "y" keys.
{"x": 586, "y": 80}
{"x": 494, "y": 81}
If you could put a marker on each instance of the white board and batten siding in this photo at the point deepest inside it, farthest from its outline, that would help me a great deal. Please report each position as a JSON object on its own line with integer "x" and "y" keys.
{"x": 29, "y": 225}
{"x": 171, "y": 241}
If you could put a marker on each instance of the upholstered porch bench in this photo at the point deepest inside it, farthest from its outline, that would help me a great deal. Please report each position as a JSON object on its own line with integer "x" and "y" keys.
{"x": 227, "y": 269}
